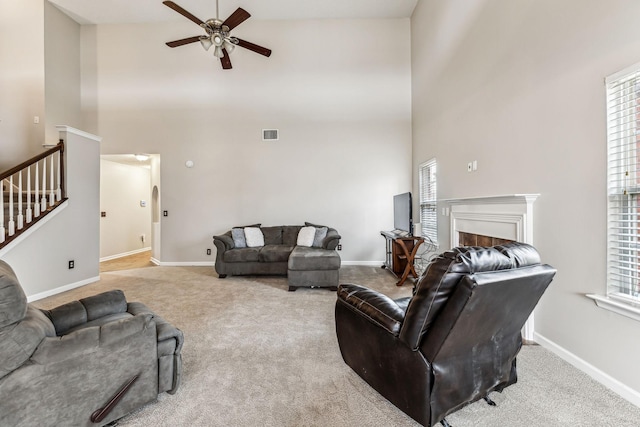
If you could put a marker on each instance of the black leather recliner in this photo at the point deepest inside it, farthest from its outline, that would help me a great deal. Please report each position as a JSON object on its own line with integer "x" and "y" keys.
{"x": 455, "y": 340}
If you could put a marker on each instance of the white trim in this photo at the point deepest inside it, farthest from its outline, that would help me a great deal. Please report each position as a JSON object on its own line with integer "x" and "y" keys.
{"x": 62, "y": 289}
{"x": 617, "y": 306}
{"x": 124, "y": 254}
{"x": 183, "y": 264}
{"x": 48, "y": 217}
{"x": 603, "y": 378}
{"x": 632, "y": 69}
{"x": 69, "y": 129}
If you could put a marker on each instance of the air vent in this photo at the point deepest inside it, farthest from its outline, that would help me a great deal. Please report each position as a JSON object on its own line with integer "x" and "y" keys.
{"x": 269, "y": 134}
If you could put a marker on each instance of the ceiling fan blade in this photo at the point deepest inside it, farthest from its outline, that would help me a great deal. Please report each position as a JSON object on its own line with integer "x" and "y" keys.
{"x": 183, "y": 12}
{"x": 236, "y": 18}
{"x": 225, "y": 60}
{"x": 182, "y": 42}
{"x": 254, "y": 47}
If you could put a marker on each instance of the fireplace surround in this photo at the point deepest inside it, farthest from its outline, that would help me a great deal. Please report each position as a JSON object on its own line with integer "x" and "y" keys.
{"x": 491, "y": 220}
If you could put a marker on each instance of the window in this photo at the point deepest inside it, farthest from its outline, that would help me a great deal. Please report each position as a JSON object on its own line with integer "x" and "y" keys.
{"x": 623, "y": 210}
{"x": 428, "y": 201}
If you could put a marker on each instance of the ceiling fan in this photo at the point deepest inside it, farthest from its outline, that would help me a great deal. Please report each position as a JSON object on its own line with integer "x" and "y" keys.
{"x": 218, "y": 34}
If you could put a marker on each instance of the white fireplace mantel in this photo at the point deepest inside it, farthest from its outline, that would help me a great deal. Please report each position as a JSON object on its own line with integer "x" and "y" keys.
{"x": 507, "y": 217}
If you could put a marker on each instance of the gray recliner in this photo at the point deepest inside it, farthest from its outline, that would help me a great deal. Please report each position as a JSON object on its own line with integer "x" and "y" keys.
{"x": 85, "y": 363}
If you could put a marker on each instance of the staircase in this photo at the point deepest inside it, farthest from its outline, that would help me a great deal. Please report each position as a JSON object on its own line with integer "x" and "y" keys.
{"x": 30, "y": 191}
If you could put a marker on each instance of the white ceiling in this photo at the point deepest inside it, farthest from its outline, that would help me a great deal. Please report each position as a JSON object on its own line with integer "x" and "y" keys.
{"x": 138, "y": 11}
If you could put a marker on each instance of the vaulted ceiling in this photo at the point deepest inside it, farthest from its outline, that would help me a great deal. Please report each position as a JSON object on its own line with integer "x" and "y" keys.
{"x": 138, "y": 11}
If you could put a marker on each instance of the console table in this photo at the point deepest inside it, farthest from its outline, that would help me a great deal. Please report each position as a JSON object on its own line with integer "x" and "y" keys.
{"x": 400, "y": 253}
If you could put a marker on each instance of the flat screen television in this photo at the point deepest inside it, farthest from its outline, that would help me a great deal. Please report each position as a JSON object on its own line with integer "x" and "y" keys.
{"x": 402, "y": 216}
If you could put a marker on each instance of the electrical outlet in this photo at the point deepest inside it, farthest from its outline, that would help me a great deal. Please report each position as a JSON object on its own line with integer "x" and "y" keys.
{"x": 72, "y": 264}
{"x": 165, "y": 213}
{"x": 143, "y": 238}
{"x": 469, "y": 167}
{"x": 208, "y": 251}
{"x": 339, "y": 247}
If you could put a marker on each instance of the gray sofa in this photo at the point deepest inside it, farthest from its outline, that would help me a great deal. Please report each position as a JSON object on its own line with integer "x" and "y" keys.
{"x": 85, "y": 363}
{"x": 316, "y": 265}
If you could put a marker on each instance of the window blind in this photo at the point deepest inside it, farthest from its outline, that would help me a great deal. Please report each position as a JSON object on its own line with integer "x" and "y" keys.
{"x": 623, "y": 211}
{"x": 428, "y": 201}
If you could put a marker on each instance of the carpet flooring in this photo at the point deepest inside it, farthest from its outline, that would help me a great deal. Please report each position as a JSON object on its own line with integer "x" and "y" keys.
{"x": 258, "y": 355}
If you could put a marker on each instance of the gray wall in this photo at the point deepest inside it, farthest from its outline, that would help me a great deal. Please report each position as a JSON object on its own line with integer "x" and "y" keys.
{"x": 62, "y": 72}
{"x": 519, "y": 87}
{"x": 338, "y": 91}
{"x": 21, "y": 80}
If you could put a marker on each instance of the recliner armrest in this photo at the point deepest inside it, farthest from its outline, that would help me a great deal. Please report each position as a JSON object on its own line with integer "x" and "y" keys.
{"x": 165, "y": 330}
{"x": 378, "y": 308}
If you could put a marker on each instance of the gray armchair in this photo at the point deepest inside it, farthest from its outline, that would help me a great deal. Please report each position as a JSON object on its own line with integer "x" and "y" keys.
{"x": 85, "y": 363}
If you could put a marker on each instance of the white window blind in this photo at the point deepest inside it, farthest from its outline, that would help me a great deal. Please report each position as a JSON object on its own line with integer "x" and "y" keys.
{"x": 428, "y": 201}
{"x": 623, "y": 140}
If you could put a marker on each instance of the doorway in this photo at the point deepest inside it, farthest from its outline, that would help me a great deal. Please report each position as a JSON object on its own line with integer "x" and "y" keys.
{"x": 129, "y": 211}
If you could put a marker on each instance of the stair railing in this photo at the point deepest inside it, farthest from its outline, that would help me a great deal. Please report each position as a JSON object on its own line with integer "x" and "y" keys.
{"x": 29, "y": 184}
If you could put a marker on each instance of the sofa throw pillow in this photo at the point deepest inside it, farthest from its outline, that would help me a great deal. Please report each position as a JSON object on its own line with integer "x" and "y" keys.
{"x": 239, "y": 241}
{"x": 306, "y": 236}
{"x": 254, "y": 237}
{"x": 321, "y": 233}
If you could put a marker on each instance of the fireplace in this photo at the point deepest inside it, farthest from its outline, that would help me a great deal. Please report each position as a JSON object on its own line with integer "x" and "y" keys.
{"x": 472, "y": 239}
{"x": 488, "y": 221}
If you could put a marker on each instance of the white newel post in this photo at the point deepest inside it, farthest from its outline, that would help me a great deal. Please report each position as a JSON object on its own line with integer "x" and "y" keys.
{"x": 507, "y": 217}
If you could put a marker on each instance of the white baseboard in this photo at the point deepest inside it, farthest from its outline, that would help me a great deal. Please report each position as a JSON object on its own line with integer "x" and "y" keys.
{"x": 61, "y": 289}
{"x": 183, "y": 264}
{"x": 124, "y": 254}
{"x": 603, "y": 378}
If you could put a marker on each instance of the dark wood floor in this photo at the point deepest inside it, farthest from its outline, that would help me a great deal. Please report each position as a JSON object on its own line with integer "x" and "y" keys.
{"x": 142, "y": 259}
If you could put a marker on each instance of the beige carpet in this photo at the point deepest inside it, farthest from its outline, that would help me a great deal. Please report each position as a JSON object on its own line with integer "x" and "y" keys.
{"x": 257, "y": 355}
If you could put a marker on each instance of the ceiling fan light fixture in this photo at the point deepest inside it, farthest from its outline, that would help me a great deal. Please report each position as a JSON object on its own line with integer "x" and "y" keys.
{"x": 217, "y": 52}
{"x": 206, "y": 42}
{"x": 229, "y": 46}
{"x": 217, "y": 39}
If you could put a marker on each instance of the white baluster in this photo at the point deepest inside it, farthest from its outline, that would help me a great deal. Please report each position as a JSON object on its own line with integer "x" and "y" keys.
{"x": 2, "y": 230}
{"x": 36, "y": 204}
{"x": 20, "y": 217}
{"x": 58, "y": 189}
{"x": 43, "y": 200}
{"x": 11, "y": 224}
{"x": 28, "y": 211}
{"x": 52, "y": 194}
